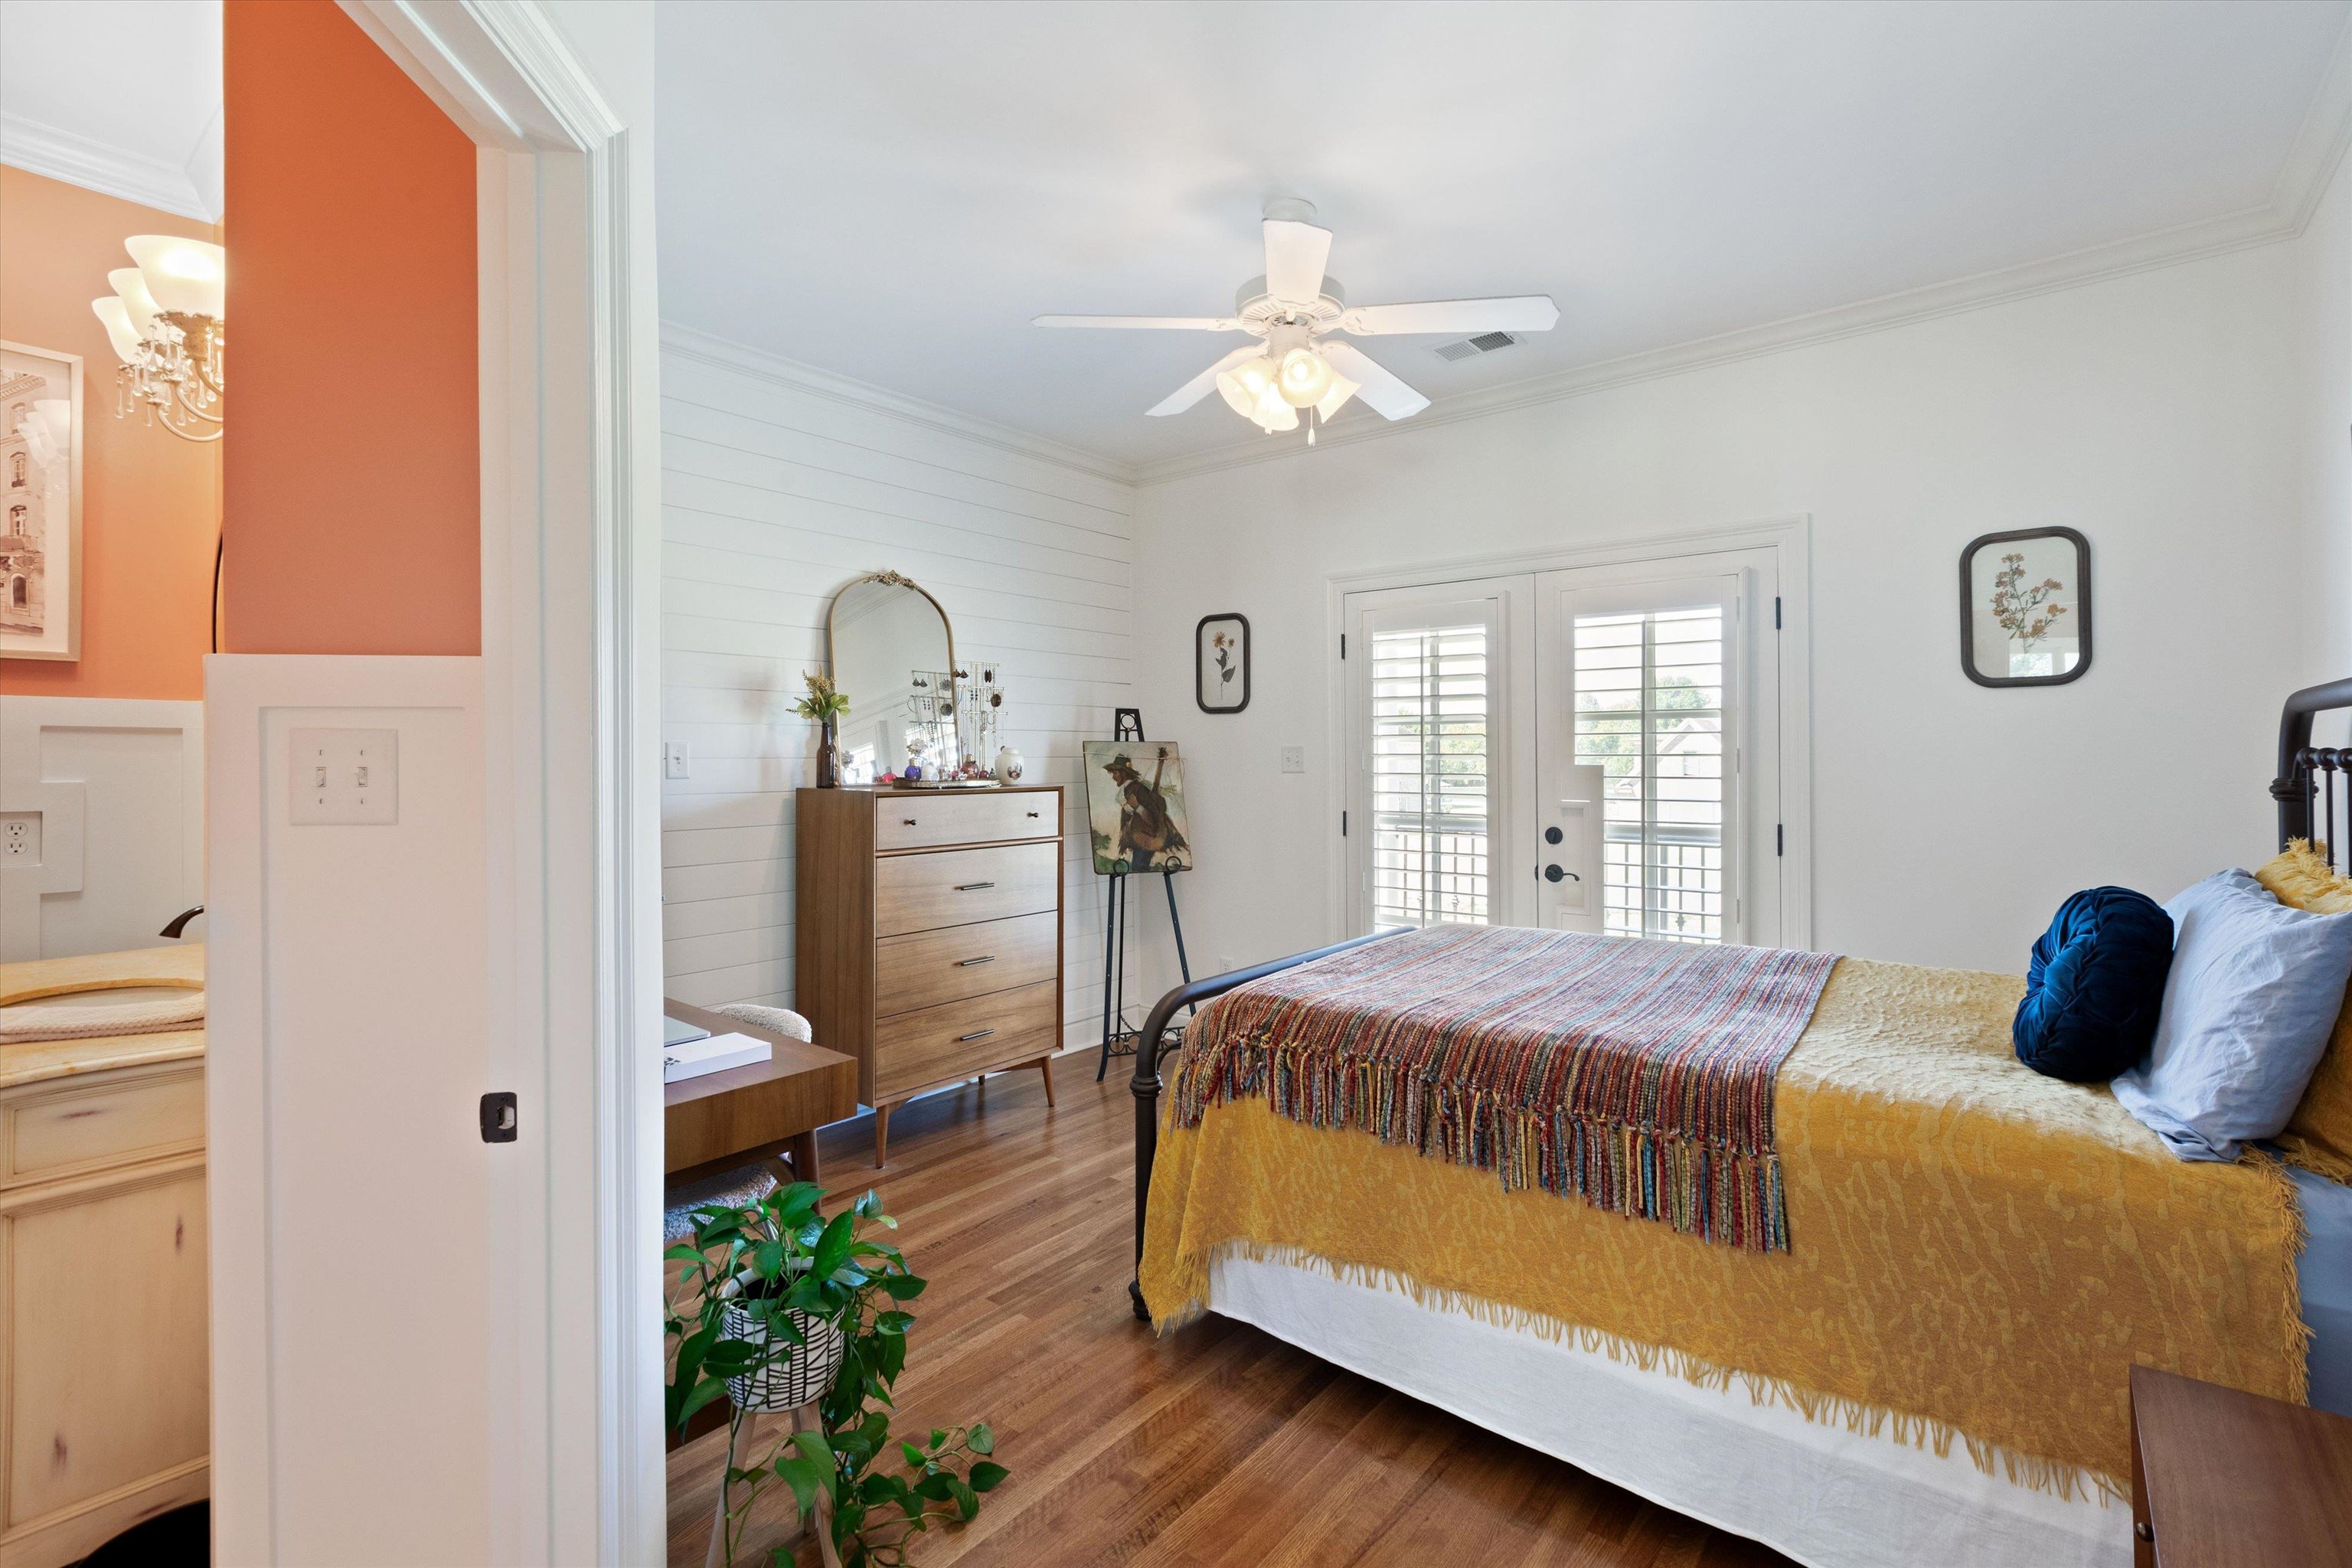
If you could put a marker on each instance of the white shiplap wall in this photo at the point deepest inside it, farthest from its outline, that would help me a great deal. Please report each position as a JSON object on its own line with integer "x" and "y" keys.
{"x": 779, "y": 485}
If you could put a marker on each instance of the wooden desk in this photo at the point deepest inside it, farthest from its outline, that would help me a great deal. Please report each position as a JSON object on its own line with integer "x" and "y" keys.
{"x": 2221, "y": 1479}
{"x": 726, "y": 1119}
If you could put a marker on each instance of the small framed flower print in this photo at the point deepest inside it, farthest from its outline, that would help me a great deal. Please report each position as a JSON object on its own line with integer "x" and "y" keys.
{"x": 1221, "y": 663}
{"x": 2025, "y": 607}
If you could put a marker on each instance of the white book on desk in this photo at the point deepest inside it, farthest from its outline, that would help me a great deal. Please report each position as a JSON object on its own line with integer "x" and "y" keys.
{"x": 694, "y": 1059}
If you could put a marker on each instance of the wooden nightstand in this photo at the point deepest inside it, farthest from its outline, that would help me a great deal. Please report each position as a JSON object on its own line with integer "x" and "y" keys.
{"x": 2221, "y": 1479}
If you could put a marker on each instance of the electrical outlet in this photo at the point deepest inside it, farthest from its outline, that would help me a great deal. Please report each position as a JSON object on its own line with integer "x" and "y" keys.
{"x": 20, "y": 838}
{"x": 344, "y": 778}
{"x": 675, "y": 762}
{"x": 1294, "y": 759}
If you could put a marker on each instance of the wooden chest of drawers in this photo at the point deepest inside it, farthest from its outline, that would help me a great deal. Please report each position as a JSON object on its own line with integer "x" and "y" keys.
{"x": 929, "y": 933}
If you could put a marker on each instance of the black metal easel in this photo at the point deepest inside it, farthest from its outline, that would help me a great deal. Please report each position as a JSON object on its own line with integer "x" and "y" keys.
{"x": 1118, "y": 1039}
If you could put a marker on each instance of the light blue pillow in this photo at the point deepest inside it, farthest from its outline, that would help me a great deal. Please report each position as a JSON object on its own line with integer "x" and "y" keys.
{"x": 2254, "y": 989}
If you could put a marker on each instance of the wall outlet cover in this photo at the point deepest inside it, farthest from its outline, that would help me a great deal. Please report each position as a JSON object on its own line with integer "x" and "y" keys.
{"x": 344, "y": 778}
{"x": 20, "y": 838}
{"x": 1294, "y": 759}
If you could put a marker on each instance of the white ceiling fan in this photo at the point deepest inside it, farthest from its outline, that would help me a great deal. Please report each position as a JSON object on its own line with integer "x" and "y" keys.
{"x": 1292, "y": 366}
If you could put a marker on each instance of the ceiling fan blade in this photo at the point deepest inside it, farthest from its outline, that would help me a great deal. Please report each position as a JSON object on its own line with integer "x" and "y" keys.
{"x": 1389, "y": 397}
{"x": 1295, "y": 255}
{"x": 1175, "y": 323}
{"x": 1201, "y": 385}
{"x": 1514, "y": 313}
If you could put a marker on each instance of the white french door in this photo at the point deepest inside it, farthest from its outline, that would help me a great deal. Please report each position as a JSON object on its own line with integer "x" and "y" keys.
{"x": 1591, "y": 749}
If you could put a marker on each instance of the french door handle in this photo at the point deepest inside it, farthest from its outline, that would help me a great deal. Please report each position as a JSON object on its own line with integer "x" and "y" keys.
{"x": 975, "y": 1034}
{"x": 973, "y": 887}
{"x": 1554, "y": 873}
{"x": 968, "y": 962}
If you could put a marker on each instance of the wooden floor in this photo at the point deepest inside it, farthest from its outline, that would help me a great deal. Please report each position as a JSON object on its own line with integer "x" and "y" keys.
{"x": 1218, "y": 1446}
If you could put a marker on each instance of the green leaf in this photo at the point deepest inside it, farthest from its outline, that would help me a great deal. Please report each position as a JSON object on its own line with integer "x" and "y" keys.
{"x": 767, "y": 1259}
{"x": 939, "y": 1438}
{"x": 703, "y": 1394}
{"x": 914, "y": 1455}
{"x": 832, "y": 1248}
{"x": 980, "y": 1438}
{"x": 967, "y": 1504}
{"x": 892, "y": 1322}
{"x": 986, "y": 1474}
{"x": 934, "y": 1486}
{"x": 805, "y": 1477}
{"x": 903, "y": 1287}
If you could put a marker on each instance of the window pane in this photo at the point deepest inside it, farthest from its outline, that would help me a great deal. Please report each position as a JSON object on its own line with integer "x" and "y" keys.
{"x": 1429, "y": 777}
{"x": 1649, "y": 711}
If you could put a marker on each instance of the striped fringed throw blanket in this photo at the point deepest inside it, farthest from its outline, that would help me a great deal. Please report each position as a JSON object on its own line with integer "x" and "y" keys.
{"x": 1637, "y": 1074}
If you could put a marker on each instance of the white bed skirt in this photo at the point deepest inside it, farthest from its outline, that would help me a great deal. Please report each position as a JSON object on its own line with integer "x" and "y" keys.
{"x": 1824, "y": 1496}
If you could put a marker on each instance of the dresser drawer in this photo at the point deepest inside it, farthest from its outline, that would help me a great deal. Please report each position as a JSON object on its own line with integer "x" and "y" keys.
{"x": 915, "y": 1050}
{"x": 77, "y": 1124}
{"x": 928, "y": 967}
{"x": 958, "y": 887}
{"x": 980, "y": 817}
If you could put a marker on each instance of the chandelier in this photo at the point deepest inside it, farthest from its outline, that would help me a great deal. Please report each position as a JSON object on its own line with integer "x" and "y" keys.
{"x": 167, "y": 320}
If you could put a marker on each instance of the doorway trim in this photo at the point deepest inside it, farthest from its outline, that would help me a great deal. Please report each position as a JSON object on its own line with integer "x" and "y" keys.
{"x": 570, "y": 613}
{"x": 1790, "y": 538}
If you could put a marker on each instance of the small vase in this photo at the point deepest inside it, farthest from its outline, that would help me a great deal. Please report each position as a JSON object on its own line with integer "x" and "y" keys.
{"x": 1009, "y": 765}
{"x": 827, "y": 775}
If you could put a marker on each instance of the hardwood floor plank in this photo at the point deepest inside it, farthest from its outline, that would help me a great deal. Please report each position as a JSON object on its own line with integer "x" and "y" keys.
{"x": 1219, "y": 1447}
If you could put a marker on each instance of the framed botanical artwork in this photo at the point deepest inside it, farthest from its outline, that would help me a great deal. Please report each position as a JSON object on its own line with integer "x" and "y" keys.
{"x": 40, "y": 503}
{"x": 1221, "y": 663}
{"x": 2025, "y": 607}
{"x": 1135, "y": 807}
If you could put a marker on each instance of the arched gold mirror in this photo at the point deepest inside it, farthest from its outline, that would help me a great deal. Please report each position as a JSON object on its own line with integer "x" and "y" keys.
{"x": 892, "y": 654}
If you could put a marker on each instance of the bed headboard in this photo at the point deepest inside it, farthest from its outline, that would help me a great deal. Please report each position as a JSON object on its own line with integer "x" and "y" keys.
{"x": 2314, "y": 786}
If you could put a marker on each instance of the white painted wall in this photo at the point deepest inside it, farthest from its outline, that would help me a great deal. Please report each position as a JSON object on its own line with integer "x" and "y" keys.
{"x": 778, "y": 486}
{"x": 2160, "y": 413}
{"x": 2323, "y": 308}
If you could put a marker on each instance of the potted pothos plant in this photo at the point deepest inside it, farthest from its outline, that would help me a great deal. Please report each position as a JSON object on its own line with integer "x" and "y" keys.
{"x": 825, "y": 704}
{"x": 768, "y": 1296}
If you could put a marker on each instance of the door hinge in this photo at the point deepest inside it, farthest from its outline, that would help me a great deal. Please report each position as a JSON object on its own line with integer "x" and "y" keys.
{"x": 1779, "y": 838}
{"x": 1343, "y": 645}
{"x": 499, "y": 1117}
{"x": 1776, "y": 612}
{"x": 1343, "y": 825}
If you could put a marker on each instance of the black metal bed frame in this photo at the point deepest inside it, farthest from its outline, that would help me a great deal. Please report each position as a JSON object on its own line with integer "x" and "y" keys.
{"x": 2305, "y": 785}
{"x": 2309, "y": 807}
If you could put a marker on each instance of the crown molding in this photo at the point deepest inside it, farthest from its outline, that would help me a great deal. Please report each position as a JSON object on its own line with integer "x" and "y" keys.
{"x": 99, "y": 166}
{"x": 2311, "y": 164}
{"x": 690, "y": 344}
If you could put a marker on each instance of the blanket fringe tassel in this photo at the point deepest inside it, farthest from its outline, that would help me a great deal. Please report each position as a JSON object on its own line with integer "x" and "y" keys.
{"x": 2065, "y": 1480}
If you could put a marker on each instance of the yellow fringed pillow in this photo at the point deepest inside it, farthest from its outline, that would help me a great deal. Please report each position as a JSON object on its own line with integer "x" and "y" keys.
{"x": 2318, "y": 1136}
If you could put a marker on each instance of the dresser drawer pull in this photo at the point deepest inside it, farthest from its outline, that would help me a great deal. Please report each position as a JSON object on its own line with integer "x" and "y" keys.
{"x": 975, "y": 1034}
{"x": 1033, "y": 816}
{"x": 907, "y": 822}
{"x": 968, "y": 962}
{"x": 973, "y": 887}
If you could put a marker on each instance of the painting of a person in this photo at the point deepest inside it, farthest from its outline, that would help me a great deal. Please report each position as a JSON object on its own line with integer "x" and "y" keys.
{"x": 1137, "y": 821}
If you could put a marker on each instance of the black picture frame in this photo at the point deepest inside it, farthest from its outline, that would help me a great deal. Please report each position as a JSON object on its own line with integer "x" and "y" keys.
{"x": 2080, "y": 605}
{"x": 1201, "y": 687}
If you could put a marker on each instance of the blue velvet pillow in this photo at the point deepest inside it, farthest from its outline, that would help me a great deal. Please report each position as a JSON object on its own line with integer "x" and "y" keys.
{"x": 2096, "y": 986}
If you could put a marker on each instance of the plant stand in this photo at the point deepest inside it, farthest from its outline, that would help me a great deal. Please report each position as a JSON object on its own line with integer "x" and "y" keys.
{"x": 805, "y": 1418}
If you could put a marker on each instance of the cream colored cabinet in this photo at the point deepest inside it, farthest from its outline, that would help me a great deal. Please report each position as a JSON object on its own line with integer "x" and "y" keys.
{"x": 103, "y": 1376}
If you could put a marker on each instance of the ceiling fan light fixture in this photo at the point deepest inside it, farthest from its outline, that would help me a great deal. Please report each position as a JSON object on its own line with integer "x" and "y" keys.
{"x": 1335, "y": 396}
{"x": 1272, "y": 413}
{"x": 1305, "y": 378}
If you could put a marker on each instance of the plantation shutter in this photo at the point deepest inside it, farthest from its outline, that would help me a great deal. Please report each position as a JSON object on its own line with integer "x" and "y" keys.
{"x": 1650, "y": 711}
{"x": 1429, "y": 769}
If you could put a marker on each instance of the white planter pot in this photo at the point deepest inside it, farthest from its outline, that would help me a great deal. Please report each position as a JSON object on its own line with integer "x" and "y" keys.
{"x": 791, "y": 1383}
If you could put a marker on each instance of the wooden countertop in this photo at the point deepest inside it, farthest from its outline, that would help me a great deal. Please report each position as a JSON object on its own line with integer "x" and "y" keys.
{"x": 31, "y": 1061}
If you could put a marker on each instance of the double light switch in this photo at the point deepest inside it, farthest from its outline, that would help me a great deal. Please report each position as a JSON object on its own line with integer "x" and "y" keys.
{"x": 345, "y": 777}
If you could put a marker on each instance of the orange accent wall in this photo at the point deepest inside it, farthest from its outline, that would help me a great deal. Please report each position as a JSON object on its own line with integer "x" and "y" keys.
{"x": 353, "y": 476}
{"x": 151, "y": 502}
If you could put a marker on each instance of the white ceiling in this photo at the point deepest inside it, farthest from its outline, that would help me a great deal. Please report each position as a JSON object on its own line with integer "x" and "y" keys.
{"x": 122, "y": 96}
{"x": 889, "y": 192}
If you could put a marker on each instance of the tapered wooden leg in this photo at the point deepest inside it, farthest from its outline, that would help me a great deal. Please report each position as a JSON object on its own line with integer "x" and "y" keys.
{"x": 803, "y": 1149}
{"x": 819, "y": 1518}
{"x": 1046, "y": 1071}
{"x": 739, "y": 1432}
{"x": 881, "y": 1135}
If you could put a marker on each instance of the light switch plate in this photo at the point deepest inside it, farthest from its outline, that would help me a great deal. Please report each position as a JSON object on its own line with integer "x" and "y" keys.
{"x": 676, "y": 765}
{"x": 1294, "y": 759}
{"x": 345, "y": 778}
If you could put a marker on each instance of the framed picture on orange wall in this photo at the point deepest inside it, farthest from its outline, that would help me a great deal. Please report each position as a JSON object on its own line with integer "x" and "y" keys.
{"x": 40, "y": 503}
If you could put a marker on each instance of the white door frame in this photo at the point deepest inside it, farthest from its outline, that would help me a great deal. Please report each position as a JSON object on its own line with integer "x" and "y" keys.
{"x": 571, "y": 543}
{"x": 1790, "y": 540}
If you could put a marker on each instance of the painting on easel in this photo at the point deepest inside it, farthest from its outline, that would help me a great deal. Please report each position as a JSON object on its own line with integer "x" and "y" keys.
{"x": 1135, "y": 807}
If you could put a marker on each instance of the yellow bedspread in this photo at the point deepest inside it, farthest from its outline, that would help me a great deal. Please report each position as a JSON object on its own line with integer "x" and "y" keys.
{"x": 1979, "y": 1253}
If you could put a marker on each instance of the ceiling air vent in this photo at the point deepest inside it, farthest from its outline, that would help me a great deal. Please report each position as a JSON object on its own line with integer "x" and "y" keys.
{"x": 1471, "y": 348}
